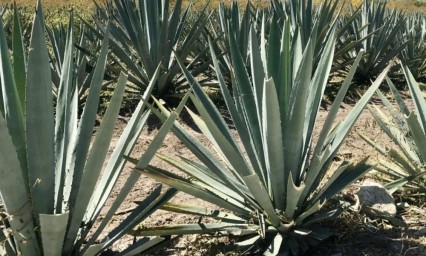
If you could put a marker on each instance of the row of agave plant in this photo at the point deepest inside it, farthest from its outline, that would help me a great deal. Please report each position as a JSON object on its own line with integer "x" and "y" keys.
{"x": 272, "y": 67}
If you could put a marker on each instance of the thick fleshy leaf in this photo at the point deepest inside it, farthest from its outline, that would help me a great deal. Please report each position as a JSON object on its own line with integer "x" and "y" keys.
{"x": 14, "y": 195}
{"x": 53, "y": 228}
{"x": 39, "y": 121}
{"x": 11, "y": 109}
{"x": 202, "y": 211}
{"x": 273, "y": 144}
{"x": 19, "y": 60}
{"x": 96, "y": 158}
{"x": 131, "y": 133}
{"x": 419, "y": 100}
{"x": 201, "y": 228}
{"x": 86, "y": 125}
{"x": 275, "y": 246}
{"x": 65, "y": 126}
{"x": 419, "y": 135}
{"x": 142, "y": 245}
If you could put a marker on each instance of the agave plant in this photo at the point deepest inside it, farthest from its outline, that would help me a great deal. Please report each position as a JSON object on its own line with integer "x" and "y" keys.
{"x": 144, "y": 34}
{"x": 58, "y": 38}
{"x": 407, "y": 129}
{"x": 304, "y": 13}
{"x": 53, "y": 185}
{"x": 240, "y": 22}
{"x": 274, "y": 181}
{"x": 240, "y": 19}
{"x": 413, "y": 56}
{"x": 376, "y": 32}
{"x": 88, "y": 47}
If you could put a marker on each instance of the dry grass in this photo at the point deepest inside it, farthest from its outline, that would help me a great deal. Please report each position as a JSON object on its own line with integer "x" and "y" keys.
{"x": 405, "y": 5}
{"x": 52, "y": 3}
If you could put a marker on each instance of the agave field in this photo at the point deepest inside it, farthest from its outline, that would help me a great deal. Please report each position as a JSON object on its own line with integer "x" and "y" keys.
{"x": 157, "y": 127}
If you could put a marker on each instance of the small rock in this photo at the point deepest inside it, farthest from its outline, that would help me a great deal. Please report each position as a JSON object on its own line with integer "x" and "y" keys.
{"x": 376, "y": 200}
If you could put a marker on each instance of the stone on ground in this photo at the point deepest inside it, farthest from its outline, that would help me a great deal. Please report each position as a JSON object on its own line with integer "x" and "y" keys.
{"x": 376, "y": 200}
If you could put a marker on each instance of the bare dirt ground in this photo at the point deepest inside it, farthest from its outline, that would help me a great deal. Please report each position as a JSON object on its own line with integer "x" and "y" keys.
{"x": 356, "y": 233}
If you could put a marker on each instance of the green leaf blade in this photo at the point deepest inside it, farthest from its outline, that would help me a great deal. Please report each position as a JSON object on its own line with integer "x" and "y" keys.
{"x": 40, "y": 122}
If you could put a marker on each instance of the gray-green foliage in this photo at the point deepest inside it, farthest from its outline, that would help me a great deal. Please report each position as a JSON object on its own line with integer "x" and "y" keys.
{"x": 375, "y": 29}
{"x": 407, "y": 129}
{"x": 145, "y": 34}
{"x": 414, "y": 54}
{"x": 274, "y": 181}
{"x": 84, "y": 56}
{"x": 53, "y": 183}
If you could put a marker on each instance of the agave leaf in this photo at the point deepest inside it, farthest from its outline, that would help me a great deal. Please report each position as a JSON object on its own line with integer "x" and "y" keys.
{"x": 336, "y": 105}
{"x": 14, "y": 195}
{"x": 201, "y": 174}
{"x": 208, "y": 109}
{"x": 319, "y": 80}
{"x": 345, "y": 127}
{"x": 40, "y": 122}
{"x": 419, "y": 135}
{"x": 96, "y": 159}
{"x": 313, "y": 209}
{"x": 274, "y": 247}
{"x": 274, "y": 149}
{"x": 397, "y": 116}
{"x": 140, "y": 213}
{"x": 197, "y": 148}
{"x": 273, "y": 48}
{"x": 294, "y": 139}
{"x": 191, "y": 189}
{"x": 87, "y": 122}
{"x": 395, "y": 134}
{"x": 238, "y": 121}
{"x": 322, "y": 216}
{"x": 373, "y": 144}
{"x": 11, "y": 106}
{"x": 256, "y": 69}
{"x": 398, "y": 97}
{"x": 343, "y": 179}
{"x": 402, "y": 161}
{"x": 248, "y": 243}
{"x": 142, "y": 245}
{"x": 293, "y": 194}
{"x": 285, "y": 81}
{"x": 202, "y": 211}
{"x": 65, "y": 126}
{"x": 53, "y": 228}
{"x": 19, "y": 60}
{"x": 116, "y": 163}
{"x": 142, "y": 164}
{"x": 201, "y": 228}
{"x": 393, "y": 186}
{"x": 419, "y": 100}
{"x": 151, "y": 11}
{"x": 225, "y": 144}
{"x": 133, "y": 123}
{"x": 262, "y": 197}
{"x": 245, "y": 99}
{"x": 94, "y": 249}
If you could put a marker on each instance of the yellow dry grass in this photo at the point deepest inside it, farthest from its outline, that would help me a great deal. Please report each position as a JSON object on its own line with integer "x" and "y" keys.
{"x": 405, "y": 5}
